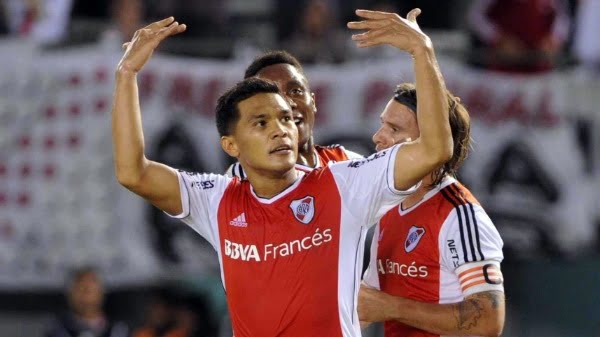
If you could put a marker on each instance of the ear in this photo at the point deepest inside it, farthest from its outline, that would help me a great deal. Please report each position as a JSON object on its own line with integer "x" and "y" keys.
{"x": 230, "y": 146}
{"x": 314, "y": 102}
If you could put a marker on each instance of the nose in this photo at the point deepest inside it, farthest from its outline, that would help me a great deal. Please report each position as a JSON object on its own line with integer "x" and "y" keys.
{"x": 279, "y": 130}
{"x": 378, "y": 140}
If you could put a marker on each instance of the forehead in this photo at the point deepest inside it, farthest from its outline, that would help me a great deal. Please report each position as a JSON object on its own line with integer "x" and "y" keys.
{"x": 398, "y": 114}
{"x": 263, "y": 103}
{"x": 283, "y": 73}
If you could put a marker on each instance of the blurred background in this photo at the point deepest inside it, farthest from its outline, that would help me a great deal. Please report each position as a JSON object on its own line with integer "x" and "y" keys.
{"x": 72, "y": 240}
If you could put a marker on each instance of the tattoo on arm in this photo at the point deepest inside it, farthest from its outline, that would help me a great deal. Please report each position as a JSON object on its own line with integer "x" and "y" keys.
{"x": 495, "y": 298}
{"x": 469, "y": 312}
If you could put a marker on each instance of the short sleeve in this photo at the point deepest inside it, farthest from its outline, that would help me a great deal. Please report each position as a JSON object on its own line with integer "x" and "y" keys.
{"x": 472, "y": 249}
{"x": 367, "y": 185}
{"x": 201, "y": 194}
{"x": 371, "y": 276}
{"x": 352, "y": 155}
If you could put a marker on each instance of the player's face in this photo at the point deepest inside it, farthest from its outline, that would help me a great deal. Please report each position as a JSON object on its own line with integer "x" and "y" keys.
{"x": 398, "y": 125}
{"x": 295, "y": 88}
{"x": 265, "y": 137}
{"x": 86, "y": 294}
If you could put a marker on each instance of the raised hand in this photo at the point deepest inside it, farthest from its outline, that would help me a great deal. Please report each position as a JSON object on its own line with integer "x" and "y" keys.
{"x": 391, "y": 29}
{"x": 145, "y": 40}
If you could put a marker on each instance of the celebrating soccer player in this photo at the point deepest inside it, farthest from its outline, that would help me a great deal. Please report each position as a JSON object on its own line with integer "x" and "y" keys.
{"x": 285, "y": 70}
{"x": 435, "y": 257}
{"x": 288, "y": 241}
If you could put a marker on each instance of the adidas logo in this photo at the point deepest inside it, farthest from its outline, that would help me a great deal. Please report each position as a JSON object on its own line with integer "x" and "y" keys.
{"x": 239, "y": 221}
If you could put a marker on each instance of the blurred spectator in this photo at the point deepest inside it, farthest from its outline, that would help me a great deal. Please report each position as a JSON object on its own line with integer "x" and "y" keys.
{"x": 160, "y": 319}
{"x": 208, "y": 32}
{"x": 175, "y": 312}
{"x": 318, "y": 37}
{"x": 86, "y": 316}
{"x": 518, "y": 36}
{"x": 587, "y": 42}
{"x": 43, "y": 21}
{"x": 117, "y": 19}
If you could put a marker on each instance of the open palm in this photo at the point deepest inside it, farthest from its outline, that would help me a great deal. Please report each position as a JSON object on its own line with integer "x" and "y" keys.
{"x": 145, "y": 40}
{"x": 389, "y": 29}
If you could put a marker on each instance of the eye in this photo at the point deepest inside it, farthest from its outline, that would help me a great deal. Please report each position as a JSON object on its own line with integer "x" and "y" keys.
{"x": 395, "y": 129}
{"x": 261, "y": 123}
{"x": 297, "y": 91}
{"x": 287, "y": 119}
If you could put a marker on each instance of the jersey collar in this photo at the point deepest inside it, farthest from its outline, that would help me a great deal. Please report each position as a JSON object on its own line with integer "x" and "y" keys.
{"x": 281, "y": 194}
{"x": 445, "y": 182}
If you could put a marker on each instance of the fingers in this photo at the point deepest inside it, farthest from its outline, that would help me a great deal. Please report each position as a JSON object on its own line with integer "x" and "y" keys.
{"x": 363, "y": 13}
{"x": 161, "y": 24}
{"x": 412, "y": 15}
{"x": 370, "y": 35}
{"x": 173, "y": 29}
{"x": 368, "y": 24}
{"x": 125, "y": 45}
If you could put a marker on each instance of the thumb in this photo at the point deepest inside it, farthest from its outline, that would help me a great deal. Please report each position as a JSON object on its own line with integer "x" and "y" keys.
{"x": 412, "y": 15}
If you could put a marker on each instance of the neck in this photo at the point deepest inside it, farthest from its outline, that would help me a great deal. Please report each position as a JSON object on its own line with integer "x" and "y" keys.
{"x": 268, "y": 185}
{"x": 90, "y": 315}
{"x": 414, "y": 198}
{"x": 306, "y": 154}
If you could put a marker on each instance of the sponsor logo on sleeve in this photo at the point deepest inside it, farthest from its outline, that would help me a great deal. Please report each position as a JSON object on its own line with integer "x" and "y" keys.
{"x": 303, "y": 209}
{"x": 414, "y": 236}
{"x": 356, "y": 163}
{"x": 205, "y": 184}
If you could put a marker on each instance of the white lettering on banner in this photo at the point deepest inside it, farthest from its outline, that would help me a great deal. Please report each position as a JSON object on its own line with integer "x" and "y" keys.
{"x": 411, "y": 270}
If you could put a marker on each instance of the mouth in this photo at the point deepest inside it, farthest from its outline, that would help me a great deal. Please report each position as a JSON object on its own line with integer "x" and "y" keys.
{"x": 282, "y": 149}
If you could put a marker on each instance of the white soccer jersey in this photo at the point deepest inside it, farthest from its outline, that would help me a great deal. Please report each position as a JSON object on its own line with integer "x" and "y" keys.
{"x": 290, "y": 264}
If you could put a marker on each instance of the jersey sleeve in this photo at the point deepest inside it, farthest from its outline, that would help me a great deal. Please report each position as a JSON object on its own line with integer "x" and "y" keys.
{"x": 472, "y": 248}
{"x": 371, "y": 276}
{"x": 352, "y": 155}
{"x": 201, "y": 194}
{"x": 367, "y": 185}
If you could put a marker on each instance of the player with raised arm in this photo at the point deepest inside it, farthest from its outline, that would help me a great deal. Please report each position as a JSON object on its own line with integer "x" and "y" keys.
{"x": 435, "y": 257}
{"x": 288, "y": 242}
{"x": 285, "y": 70}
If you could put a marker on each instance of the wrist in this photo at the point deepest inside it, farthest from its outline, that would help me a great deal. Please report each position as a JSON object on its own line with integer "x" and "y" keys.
{"x": 124, "y": 69}
{"x": 394, "y": 307}
{"x": 423, "y": 51}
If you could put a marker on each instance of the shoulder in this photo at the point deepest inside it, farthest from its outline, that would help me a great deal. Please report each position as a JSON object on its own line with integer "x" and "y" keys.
{"x": 336, "y": 152}
{"x": 456, "y": 194}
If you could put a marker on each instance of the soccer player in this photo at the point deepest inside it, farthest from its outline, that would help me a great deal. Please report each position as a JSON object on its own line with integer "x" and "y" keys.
{"x": 287, "y": 241}
{"x": 435, "y": 257}
{"x": 285, "y": 70}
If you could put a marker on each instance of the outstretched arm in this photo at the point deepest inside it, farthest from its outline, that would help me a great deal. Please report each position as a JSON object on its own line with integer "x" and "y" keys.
{"x": 480, "y": 314}
{"x": 153, "y": 181}
{"x": 434, "y": 147}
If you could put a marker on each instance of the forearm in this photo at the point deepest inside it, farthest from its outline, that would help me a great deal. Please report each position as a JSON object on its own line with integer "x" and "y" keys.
{"x": 432, "y": 108}
{"x": 127, "y": 133}
{"x": 480, "y": 315}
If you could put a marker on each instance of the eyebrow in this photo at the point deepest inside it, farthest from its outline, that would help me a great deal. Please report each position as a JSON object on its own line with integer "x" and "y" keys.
{"x": 259, "y": 116}
{"x": 392, "y": 124}
{"x": 295, "y": 82}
